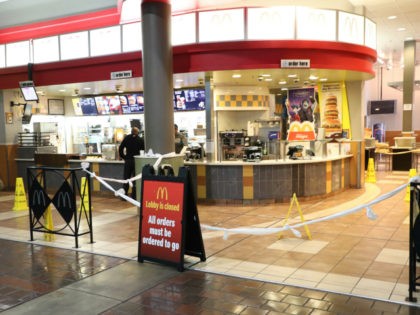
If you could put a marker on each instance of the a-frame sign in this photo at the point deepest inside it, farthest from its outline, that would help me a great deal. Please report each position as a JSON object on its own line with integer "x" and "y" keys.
{"x": 169, "y": 223}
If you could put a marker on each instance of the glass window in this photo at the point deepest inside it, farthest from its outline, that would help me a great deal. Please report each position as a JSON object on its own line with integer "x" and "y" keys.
{"x": 46, "y": 49}
{"x": 351, "y": 28}
{"x": 132, "y": 37}
{"x": 315, "y": 24}
{"x": 370, "y": 34}
{"x": 271, "y": 23}
{"x": 105, "y": 41}
{"x": 2, "y": 56}
{"x": 221, "y": 25}
{"x": 17, "y": 54}
{"x": 183, "y": 29}
{"x": 74, "y": 45}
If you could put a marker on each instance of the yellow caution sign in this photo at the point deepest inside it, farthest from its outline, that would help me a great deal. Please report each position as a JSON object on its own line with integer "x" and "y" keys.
{"x": 302, "y": 219}
{"x": 49, "y": 225}
{"x": 20, "y": 196}
{"x": 412, "y": 173}
{"x": 371, "y": 175}
{"x": 84, "y": 194}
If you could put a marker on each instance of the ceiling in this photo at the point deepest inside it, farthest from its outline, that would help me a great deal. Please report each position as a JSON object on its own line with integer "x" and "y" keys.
{"x": 391, "y": 34}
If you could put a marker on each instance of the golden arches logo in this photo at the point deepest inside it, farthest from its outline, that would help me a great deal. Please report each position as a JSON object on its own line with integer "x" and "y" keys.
{"x": 351, "y": 27}
{"x": 162, "y": 193}
{"x": 305, "y": 126}
{"x": 38, "y": 198}
{"x": 64, "y": 200}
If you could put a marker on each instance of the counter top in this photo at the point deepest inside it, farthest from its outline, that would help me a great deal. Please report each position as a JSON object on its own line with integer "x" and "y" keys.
{"x": 239, "y": 162}
{"x": 270, "y": 162}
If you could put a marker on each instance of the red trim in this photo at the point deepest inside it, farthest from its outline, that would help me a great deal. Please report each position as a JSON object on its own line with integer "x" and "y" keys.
{"x": 204, "y": 57}
{"x": 75, "y": 23}
{"x": 267, "y": 54}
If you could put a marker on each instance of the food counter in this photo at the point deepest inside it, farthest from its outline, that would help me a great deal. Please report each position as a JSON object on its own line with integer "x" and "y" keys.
{"x": 243, "y": 182}
{"x": 270, "y": 180}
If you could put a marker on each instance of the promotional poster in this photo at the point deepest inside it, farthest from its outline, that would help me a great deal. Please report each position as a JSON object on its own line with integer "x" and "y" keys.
{"x": 301, "y": 106}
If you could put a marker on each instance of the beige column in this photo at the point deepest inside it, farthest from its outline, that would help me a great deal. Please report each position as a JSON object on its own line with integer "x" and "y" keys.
{"x": 408, "y": 84}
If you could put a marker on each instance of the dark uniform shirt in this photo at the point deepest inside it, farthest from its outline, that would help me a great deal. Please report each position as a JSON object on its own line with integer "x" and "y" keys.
{"x": 132, "y": 145}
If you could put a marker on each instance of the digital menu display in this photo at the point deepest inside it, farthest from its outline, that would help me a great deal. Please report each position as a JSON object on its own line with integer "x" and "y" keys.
{"x": 132, "y": 103}
{"x": 76, "y": 107}
{"x": 189, "y": 99}
{"x": 108, "y": 105}
{"x": 88, "y": 106}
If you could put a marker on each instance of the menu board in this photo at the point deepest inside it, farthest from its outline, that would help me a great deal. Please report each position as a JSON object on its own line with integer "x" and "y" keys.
{"x": 108, "y": 105}
{"x": 88, "y": 106}
{"x": 189, "y": 99}
{"x": 76, "y": 107}
{"x": 132, "y": 103}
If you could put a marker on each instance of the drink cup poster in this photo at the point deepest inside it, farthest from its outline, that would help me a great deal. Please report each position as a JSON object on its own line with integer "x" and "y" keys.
{"x": 161, "y": 222}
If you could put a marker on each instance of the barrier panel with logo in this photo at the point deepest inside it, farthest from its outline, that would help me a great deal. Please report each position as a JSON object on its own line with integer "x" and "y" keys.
{"x": 57, "y": 212}
{"x": 414, "y": 247}
{"x": 169, "y": 223}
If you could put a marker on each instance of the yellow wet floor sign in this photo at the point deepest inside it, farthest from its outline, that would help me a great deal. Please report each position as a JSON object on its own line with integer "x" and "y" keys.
{"x": 20, "y": 196}
{"x": 302, "y": 219}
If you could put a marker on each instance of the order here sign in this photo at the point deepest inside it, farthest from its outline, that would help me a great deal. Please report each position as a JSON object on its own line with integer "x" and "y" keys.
{"x": 161, "y": 223}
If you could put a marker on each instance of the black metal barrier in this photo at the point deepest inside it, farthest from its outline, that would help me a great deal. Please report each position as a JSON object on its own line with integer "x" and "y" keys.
{"x": 71, "y": 200}
{"x": 414, "y": 252}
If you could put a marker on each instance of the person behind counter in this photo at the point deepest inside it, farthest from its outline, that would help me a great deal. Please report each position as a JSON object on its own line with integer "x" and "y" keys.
{"x": 129, "y": 147}
{"x": 180, "y": 140}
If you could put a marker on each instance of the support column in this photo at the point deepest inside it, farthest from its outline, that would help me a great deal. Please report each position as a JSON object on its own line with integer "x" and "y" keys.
{"x": 157, "y": 76}
{"x": 408, "y": 84}
{"x": 210, "y": 140}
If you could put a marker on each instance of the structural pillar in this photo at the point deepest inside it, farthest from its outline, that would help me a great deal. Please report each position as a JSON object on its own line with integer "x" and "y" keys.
{"x": 408, "y": 84}
{"x": 157, "y": 76}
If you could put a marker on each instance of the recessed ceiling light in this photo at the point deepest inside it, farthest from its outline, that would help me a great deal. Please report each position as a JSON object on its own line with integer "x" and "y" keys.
{"x": 266, "y": 75}
{"x": 282, "y": 82}
{"x": 236, "y": 76}
{"x": 323, "y": 79}
{"x": 401, "y": 29}
{"x": 292, "y": 75}
{"x": 284, "y": 89}
{"x": 392, "y": 17}
{"x": 62, "y": 90}
{"x": 313, "y": 77}
{"x": 268, "y": 79}
{"x": 86, "y": 88}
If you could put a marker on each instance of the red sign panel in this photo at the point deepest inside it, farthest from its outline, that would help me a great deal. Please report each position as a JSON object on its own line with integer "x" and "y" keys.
{"x": 161, "y": 225}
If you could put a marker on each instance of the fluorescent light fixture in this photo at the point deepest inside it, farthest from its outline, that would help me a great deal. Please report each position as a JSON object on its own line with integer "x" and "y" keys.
{"x": 313, "y": 77}
{"x": 401, "y": 29}
{"x": 392, "y": 17}
{"x": 282, "y": 82}
{"x": 86, "y": 88}
{"x": 292, "y": 76}
{"x": 323, "y": 79}
{"x": 266, "y": 75}
{"x": 284, "y": 89}
{"x": 236, "y": 76}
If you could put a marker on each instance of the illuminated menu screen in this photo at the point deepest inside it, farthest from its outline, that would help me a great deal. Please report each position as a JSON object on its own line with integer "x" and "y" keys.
{"x": 88, "y": 106}
{"x": 108, "y": 105}
{"x": 132, "y": 103}
{"x": 189, "y": 99}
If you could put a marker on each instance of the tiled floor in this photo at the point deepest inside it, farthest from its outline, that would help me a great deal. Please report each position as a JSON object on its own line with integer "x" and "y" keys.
{"x": 273, "y": 272}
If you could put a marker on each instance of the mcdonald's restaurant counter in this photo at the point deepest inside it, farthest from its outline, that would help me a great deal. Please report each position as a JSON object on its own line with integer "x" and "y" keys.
{"x": 239, "y": 181}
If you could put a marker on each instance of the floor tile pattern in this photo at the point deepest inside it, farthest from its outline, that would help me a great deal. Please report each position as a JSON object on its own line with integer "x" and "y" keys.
{"x": 351, "y": 265}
